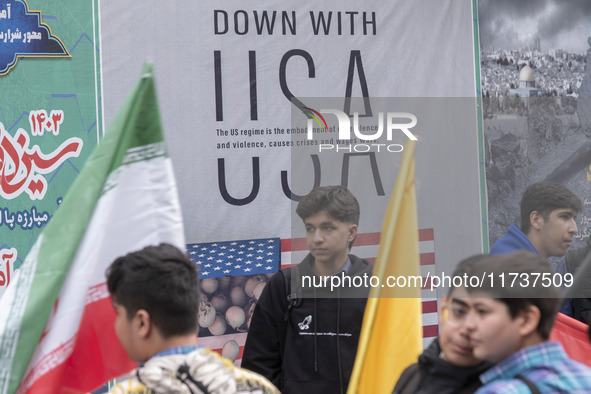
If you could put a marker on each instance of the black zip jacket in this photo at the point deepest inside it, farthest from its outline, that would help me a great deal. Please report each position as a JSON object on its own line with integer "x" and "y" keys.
{"x": 307, "y": 345}
{"x": 432, "y": 374}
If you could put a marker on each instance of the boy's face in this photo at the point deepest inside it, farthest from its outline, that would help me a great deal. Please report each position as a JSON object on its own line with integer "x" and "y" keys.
{"x": 454, "y": 336}
{"x": 556, "y": 232}
{"x": 494, "y": 335}
{"x": 328, "y": 238}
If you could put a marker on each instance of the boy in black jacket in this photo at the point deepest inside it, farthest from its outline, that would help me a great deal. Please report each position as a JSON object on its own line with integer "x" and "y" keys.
{"x": 447, "y": 365}
{"x": 305, "y": 328}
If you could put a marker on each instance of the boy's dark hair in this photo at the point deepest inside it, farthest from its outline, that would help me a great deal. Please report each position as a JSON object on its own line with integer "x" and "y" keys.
{"x": 161, "y": 280}
{"x": 520, "y": 279}
{"x": 545, "y": 197}
{"x": 464, "y": 267}
{"x": 338, "y": 201}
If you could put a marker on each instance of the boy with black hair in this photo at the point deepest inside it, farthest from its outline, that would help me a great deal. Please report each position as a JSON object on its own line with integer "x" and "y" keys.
{"x": 509, "y": 317}
{"x": 155, "y": 293}
{"x": 447, "y": 366}
{"x": 305, "y": 340}
{"x": 548, "y": 212}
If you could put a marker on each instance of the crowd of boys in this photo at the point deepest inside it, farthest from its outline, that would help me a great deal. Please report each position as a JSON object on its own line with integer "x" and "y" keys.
{"x": 492, "y": 339}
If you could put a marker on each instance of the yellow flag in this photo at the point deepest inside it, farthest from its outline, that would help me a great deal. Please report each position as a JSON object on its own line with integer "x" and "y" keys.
{"x": 391, "y": 335}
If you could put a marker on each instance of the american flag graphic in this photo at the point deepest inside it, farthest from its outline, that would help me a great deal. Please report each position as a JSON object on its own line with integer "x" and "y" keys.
{"x": 265, "y": 256}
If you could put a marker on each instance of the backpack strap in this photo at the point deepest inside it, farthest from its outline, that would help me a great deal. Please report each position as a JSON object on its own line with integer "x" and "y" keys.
{"x": 294, "y": 296}
{"x": 533, "y": 388}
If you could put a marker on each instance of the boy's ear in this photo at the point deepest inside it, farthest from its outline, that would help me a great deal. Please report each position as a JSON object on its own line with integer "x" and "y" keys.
{"x": 442, "y": 314}
{"x": 536, "y": 220}
{"x": 530, "y": 318}
{"x": 352, "y": 232}
{"x": 142, "y": 323}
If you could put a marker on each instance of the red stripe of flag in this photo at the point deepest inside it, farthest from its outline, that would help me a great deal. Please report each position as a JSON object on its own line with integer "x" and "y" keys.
{"x": 427, "y": 258}
{"x": 429, "y": 306}
{"x": 103, "y": 356}
{"x": 426, "y": 234}
{"x": 367, "y": 239}
{"x": 430, "y": 331}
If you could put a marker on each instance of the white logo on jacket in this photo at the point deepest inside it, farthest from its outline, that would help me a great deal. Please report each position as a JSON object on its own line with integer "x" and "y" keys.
{"x": 305, "y": 324}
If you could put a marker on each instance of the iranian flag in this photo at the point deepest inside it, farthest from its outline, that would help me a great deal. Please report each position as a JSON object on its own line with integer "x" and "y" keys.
{"x": 56, "y": 317}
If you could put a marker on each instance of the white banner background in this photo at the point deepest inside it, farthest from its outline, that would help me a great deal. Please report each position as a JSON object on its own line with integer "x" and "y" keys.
{"x": 419, "y": 49}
